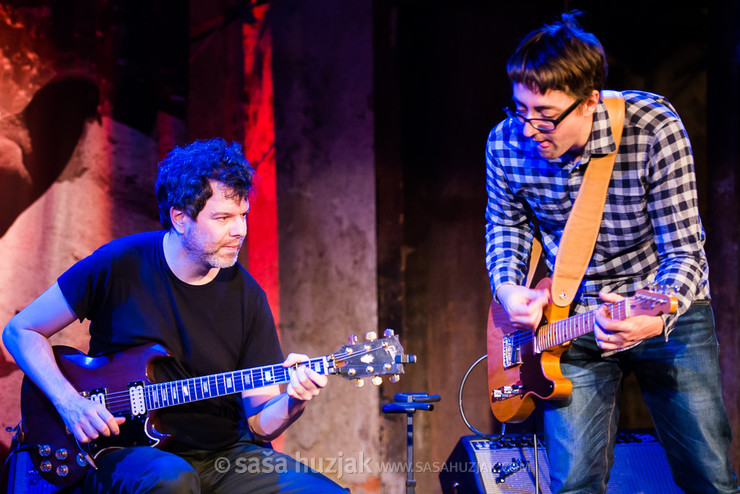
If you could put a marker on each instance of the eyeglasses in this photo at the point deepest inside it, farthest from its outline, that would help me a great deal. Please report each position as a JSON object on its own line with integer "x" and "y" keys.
{"x": 541, "y": 124}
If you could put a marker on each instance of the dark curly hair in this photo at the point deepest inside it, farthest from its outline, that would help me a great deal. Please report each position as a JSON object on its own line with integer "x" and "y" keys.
{"x": 183, "y": 181}
{"x": 560, "y": 57}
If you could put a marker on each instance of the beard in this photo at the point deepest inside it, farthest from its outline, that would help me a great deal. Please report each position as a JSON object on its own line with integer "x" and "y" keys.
{"x": 210, "y": 254}
{"x": 218, "y": 259}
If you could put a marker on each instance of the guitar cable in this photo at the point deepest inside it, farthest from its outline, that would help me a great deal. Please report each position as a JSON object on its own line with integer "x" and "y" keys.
{"x": 462, "y": 412}
{"x": 503, "y": 424}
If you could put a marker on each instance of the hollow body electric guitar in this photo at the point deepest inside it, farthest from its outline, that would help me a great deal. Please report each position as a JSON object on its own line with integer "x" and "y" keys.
{"x": 523, "y": 364}
{"x": 122, "y": 382}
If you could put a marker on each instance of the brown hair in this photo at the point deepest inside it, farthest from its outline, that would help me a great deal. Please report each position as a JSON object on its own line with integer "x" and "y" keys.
{"x": 559, "y": 56}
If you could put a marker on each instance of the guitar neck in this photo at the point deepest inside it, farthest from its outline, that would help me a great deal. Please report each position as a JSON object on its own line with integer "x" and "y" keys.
{"x": 559, "y": 332}
{"x": 167, "y": 394}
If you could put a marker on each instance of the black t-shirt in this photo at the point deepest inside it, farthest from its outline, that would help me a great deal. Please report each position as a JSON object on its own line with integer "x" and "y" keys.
{"x": 131, "y": 297}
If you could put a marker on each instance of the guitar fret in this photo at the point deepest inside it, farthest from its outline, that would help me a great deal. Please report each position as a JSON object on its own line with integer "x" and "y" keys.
{"x": 220, "y": 385}
{"x": 212, "y": 386}
{"x": 186, "y": 391}
{"x": 165, "y": 395}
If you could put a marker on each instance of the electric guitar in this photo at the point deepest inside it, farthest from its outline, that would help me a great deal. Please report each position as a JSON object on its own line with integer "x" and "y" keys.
{"x": 523, "y": 364}
{"x": 122, "y": 383}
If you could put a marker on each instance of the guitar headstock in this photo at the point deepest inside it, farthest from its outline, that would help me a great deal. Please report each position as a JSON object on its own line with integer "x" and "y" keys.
{"x": 373, "y": 357}
{"x": 652, "y": 303}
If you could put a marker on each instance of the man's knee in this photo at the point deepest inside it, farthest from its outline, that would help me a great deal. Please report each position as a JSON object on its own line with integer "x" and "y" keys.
{"x": 135, "y": 470}
{"x": 175, "y": 482}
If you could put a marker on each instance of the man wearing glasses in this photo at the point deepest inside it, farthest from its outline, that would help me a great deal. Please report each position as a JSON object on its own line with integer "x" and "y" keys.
{"x": 650, "y": 233}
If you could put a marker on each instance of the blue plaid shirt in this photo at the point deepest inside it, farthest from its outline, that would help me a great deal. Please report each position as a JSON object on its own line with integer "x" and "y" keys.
{"x": 650, "y": 230}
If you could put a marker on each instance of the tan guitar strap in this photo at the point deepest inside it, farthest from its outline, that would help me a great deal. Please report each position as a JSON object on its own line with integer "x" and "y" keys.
{"x": 579, "y": 237}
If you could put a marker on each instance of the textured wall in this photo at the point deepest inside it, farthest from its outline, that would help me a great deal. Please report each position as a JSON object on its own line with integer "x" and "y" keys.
{"x": 322, "y": 67}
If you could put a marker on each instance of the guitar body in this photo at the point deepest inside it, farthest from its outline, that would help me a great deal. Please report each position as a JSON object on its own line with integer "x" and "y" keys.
{"x": 63, "y": 463}
{"x": 517, "y": 370}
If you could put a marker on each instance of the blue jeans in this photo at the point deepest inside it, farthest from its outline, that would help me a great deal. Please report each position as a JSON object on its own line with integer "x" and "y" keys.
{"x": 680, "y": 384}
{"x": 243, "y": 467}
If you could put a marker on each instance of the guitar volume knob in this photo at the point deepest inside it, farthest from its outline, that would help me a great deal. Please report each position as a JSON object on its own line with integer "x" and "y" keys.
{"x": 81, "y": 460}
{"x": 44, "y": 450}
{"x": 62, "y": 470}
{"x": 61, "y": 454}
{"x": 45, "y": 466}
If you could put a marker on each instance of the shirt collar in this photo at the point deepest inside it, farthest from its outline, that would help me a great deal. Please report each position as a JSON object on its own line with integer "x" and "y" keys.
{"x": 601, "y": 141}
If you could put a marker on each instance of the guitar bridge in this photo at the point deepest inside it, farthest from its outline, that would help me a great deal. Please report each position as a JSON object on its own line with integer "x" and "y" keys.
{"x": 512, "y": 354}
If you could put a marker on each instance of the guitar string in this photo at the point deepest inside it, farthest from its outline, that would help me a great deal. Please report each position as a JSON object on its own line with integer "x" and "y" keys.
{"x": 118, "y": 401}
{"x": 589, "y": 318}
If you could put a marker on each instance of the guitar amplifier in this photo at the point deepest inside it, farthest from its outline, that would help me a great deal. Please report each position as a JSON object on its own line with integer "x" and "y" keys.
{"x": 479, "y": 465}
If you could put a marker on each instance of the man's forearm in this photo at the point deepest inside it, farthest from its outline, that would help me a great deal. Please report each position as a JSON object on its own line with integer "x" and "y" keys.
{"x": 32, "y": 352}
{"x": 276, "y": 415}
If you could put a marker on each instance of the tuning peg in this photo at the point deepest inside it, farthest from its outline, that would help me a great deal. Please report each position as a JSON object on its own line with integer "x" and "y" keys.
{"x": 351, "y": 371}
{"x": 359, "y": 383}
{"x": 388, "y": 332}
{"x": 371, "y": 336}
{"x": 352, "y": 339}
{"x": 377, "y": 380}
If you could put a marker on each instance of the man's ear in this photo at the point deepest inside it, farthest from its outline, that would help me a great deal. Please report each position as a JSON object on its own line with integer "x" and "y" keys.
{"x": 178, "y": 218}
{"x": 591, "y": 103}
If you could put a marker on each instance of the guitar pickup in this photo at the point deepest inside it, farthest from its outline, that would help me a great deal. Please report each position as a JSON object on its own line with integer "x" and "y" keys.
{"x": 97, "y": 395}
{"x": 506, "y": 392}
{"x": 136, "y": 399}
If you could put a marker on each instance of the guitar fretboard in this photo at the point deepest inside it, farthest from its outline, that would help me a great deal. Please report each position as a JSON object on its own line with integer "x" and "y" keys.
{"x": 161, "y": 395}
{"x": 559, "y": 332}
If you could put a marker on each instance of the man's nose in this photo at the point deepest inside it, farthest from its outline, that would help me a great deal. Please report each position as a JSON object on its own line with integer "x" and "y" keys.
{"x": 529, "y": 130}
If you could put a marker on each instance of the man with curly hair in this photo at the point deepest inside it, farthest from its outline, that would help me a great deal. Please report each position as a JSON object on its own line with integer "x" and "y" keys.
{"x": 183, "y": 288}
